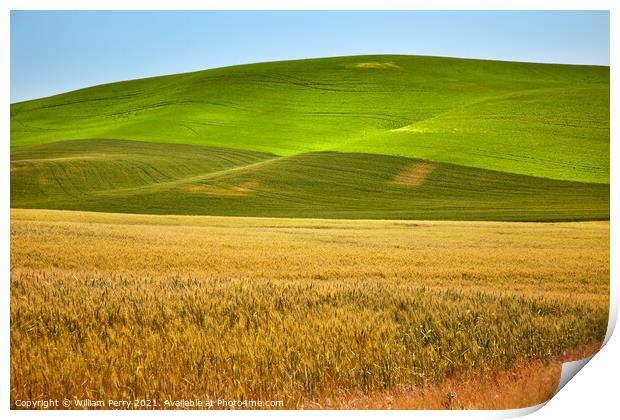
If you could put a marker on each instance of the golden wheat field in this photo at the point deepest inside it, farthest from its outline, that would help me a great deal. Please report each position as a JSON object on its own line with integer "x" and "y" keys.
{"x": 315, "y": 313}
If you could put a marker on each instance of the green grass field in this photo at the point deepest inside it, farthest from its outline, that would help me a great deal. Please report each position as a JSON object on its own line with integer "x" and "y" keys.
{"x": 129, "y": 177}
{"x": 395, "y": 137}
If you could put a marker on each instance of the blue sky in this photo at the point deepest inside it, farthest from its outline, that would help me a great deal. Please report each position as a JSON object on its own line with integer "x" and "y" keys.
{"x": 58, "y": 51}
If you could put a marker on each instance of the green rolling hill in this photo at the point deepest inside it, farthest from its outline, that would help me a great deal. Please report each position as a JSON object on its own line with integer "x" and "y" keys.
{"x": 159, "y": 178}
{"x": 353, "y": 137}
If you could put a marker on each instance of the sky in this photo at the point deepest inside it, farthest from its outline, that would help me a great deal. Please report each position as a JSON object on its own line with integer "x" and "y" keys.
{"x": 58, "y": 51}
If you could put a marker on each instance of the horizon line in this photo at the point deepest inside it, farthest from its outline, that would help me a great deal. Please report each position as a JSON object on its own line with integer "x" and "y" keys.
{"x": 309, "y": 58}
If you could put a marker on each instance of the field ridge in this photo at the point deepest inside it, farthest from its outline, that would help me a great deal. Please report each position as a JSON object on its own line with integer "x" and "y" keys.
{"x": 159, "y": 178}
{"x": 551, "y": 120}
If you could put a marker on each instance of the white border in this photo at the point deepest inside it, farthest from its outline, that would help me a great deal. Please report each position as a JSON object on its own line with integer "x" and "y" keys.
{"x": 309, "y": 5}
{"x": 593, "y": 394}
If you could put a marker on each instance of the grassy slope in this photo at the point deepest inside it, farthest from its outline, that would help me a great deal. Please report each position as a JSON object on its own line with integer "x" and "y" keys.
{"x": 542, "y": 120}
{"x": 71, "y": 171}
{"x": 143, "y": 177}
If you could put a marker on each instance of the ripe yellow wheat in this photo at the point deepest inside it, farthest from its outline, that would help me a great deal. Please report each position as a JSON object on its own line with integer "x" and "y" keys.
{"x": 129, "y": 306}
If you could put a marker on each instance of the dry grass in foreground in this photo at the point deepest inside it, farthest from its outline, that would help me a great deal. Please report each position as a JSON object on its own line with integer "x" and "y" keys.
{"x": 313, "y": 312}
{"x": 528, "y": 384}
